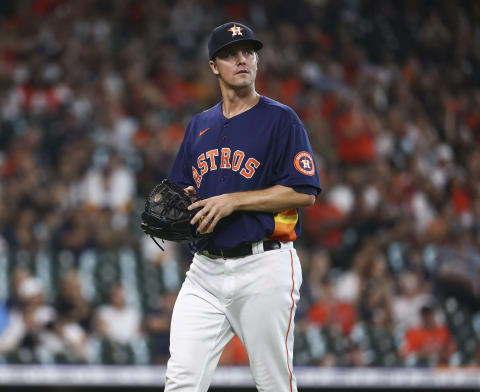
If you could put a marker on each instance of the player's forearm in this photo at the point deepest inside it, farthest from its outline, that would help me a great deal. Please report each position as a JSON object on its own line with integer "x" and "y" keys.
{"x": 275, "y": 198}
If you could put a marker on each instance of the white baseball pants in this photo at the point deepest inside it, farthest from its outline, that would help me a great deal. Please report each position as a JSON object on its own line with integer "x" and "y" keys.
{"x": 254, "y": 297}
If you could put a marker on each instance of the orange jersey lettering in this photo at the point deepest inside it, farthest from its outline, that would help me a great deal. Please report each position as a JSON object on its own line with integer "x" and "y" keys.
{"x": 197, "y": 177}
{"x": 202, "y": 165}
{"x": 225, "y": 163}
{"x": 211, "y": 156}
{"x": 249, "y": 170}
{"x": 237, "y": 160}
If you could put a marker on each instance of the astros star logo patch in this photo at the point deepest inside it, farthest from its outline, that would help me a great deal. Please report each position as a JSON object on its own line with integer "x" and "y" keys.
{"x": 303, "y": 162}
{"x": 236, "y": 30}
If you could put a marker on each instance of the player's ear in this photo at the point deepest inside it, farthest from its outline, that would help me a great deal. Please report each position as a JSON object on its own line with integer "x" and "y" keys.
{"x": 213, "y": 67}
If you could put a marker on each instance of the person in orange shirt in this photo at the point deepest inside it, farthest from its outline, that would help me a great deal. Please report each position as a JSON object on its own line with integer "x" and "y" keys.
{"x": 330, "y": 311}
{"x": 430, "y": 342}
{"x": 234, "y": 353}
{"x": 354, "y": 133}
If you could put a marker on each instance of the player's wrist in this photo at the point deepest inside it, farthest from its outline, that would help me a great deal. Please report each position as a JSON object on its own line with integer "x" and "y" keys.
{"x": 236, "y": 200}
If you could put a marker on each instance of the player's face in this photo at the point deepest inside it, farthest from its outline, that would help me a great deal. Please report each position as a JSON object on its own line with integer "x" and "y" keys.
{"x": 236, "y": 65}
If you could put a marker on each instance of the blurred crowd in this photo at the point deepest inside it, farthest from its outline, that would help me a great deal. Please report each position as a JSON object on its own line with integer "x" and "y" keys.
{"x": 94, "y": 99}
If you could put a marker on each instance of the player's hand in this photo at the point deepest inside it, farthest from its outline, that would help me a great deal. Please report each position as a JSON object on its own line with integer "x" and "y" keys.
{"x": 191, "y": 191}
{"x": 212, "y": 210}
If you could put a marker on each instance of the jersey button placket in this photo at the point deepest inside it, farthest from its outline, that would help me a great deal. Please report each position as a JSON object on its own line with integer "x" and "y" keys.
{"x": 224, "y": 138}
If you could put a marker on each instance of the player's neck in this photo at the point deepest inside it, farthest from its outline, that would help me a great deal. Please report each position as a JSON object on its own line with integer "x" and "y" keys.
{"x": 236, "y": 102}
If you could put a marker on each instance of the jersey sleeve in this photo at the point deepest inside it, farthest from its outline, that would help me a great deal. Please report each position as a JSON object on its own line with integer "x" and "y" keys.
{"x": 294, "y": 163}
{"x": 181, "y": 173}
{"x": 309, "y": 190}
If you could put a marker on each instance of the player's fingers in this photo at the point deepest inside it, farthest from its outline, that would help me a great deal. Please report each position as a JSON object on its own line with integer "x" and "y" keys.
{"x": 190, "y": 190}
{"x": 206, "y": 208}
{"x": 197, "y": 204}
{"x": 221, "y": 213}
{"x": 200, "y": 214}
{"x": 212, "y": 225}
{"x": 202, "y": 227}
{"x": 205, "y": 221}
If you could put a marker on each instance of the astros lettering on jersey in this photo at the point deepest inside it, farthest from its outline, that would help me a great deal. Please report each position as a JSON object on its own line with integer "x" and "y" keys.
{"x": 220, "y": 155}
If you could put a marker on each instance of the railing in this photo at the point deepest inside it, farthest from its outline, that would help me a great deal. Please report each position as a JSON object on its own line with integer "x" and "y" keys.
{"x": 307, "y": 377}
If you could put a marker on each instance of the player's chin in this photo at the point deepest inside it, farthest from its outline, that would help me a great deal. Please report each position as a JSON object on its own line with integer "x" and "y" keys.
{"x": 242, "y": 82}
{"x": 243, "y": 76}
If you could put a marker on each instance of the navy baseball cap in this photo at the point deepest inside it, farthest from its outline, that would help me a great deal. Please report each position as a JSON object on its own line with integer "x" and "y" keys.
{"x": 229, "y": 33}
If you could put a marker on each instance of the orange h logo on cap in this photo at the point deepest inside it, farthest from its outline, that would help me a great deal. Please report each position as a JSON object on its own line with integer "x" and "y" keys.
{"x": 236, "y": 30}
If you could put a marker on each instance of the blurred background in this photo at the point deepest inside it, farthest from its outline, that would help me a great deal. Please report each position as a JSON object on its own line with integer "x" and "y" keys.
{"x": 95, "y": 96}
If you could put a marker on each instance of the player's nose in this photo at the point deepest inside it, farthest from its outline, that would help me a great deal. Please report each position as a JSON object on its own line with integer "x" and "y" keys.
{"x": 241, "y": 58}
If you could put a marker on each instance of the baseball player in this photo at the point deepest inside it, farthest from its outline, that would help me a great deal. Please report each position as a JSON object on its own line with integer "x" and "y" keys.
{"x": 249, "y": 160}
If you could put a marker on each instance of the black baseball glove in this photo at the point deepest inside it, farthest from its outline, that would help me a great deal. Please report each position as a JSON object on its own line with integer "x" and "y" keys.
{"x": 166, "y": 215}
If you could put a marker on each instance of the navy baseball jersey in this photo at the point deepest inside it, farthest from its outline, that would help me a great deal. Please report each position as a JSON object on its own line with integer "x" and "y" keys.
{"x": 264, "y": 146}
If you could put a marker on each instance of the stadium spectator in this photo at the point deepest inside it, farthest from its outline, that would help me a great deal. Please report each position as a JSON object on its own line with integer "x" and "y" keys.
{"x": 116, "y": 320}
{"x": 318, "y": 269}
{"x": 354, "y": 134}
{"x": 156, "y": 326}
{"x": 27, "y": 321}
{"x": 72, "y": 305}
{"x": 409, "y": 300}
{"x": 111, "y": 186}
{"x": 234, "y": 353}
{"x": 430, "y": 343}
{"x": 17, "y": 277}
{"x": 62, "y": 342}
{"x": 329, "y": 311}
{"x": 376, "y": 294}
